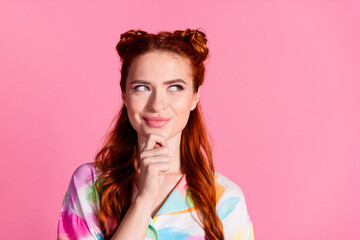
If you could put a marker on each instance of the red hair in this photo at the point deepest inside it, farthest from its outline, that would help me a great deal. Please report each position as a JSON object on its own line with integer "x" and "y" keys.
{"x": 115, "y": 159}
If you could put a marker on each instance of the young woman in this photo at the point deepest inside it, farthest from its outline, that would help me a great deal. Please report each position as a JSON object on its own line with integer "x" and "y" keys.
{"x": 154, "y": 178}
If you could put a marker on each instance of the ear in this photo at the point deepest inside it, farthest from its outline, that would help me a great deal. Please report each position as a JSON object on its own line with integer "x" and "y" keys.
{"x": 195, "y": 99}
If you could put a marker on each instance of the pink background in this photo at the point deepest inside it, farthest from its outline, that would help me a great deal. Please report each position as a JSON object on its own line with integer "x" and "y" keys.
{"x": 281, "y": 100}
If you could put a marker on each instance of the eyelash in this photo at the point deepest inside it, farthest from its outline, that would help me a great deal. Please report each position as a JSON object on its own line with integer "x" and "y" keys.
{"x": 179, "y": 87}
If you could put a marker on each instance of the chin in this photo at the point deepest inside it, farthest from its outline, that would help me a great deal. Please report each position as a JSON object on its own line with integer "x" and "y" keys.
{"x": 146, "y": 132}
{"x": 159, "y": 131}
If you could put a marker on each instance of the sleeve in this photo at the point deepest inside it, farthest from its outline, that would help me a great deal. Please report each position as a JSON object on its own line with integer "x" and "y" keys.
{"x": 243, "y": 226}
{"x": 232, "y": 211}
{"x": 79, "y": 211}
{"x": 240, "y": 227}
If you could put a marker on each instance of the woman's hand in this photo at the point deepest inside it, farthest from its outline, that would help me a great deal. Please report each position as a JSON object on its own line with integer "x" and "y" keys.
{"x": 154, "y": 165}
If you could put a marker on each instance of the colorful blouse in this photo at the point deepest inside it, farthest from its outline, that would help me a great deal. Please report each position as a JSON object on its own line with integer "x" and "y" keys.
{"x": 176, "y": 219}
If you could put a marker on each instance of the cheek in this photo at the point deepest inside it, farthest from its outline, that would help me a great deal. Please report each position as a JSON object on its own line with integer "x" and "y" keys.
{"x": 133, "y": 111}
{"x": 182, "y": 106}
{"x": 135, "y": 105}
{"x": 182, "y": 110}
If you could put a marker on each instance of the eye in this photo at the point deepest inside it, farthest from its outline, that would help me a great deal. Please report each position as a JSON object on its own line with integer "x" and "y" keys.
{"x": 141, "y": 88}
{"x": 177, "y": 87}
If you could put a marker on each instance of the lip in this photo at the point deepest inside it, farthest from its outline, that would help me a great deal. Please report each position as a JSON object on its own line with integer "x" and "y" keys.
{"x": 156, "y": 122}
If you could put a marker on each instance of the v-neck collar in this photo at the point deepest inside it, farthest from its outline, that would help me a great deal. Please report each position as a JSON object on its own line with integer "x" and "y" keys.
{"x": 174, "y": 202}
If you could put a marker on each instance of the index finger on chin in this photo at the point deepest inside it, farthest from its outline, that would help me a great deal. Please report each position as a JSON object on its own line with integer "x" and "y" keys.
{"x": 154, "y": 141}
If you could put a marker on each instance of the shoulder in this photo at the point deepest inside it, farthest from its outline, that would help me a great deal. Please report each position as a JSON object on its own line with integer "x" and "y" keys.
{"x": 226, "y": 187}
{"x": 85, "y": 174}
{"x": 82, "y": 184}
{"x": 81, "y": 197}
{"x": 86, "y": 169}
{"x": 230, "y": 199}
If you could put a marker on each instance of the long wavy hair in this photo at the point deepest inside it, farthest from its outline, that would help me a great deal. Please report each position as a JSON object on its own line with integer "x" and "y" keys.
{"x": 115, "y": 160}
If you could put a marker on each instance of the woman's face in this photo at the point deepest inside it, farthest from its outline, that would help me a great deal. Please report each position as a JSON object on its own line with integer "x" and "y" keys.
{"x": 159, "y": 84}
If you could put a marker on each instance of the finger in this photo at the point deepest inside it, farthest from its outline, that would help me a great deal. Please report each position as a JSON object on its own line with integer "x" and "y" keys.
{"x": 154, "y": 152}
{"x": 154, "y": 159}
{"x": 158, "y": 167}
{"x": 154, "y": 139}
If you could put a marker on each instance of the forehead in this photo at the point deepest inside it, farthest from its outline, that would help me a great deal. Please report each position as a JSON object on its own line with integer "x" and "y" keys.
{"x": 160, "y": 66}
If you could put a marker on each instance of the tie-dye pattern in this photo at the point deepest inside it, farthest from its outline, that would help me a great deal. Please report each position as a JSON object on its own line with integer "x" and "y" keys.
{"x": 176, "y": 219}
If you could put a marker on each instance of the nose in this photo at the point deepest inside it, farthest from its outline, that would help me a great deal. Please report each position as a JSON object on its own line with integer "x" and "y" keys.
{"x": 157, "y": 102}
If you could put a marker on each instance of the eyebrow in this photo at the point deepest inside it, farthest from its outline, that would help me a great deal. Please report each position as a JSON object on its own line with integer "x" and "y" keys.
{"x": 167, "y": 82}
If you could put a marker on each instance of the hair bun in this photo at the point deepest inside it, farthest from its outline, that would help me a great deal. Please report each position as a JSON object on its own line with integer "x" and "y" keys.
{"x": 126, "y": 39}
{"x": 197, "y": 39}
{"x": 131, "y": 34}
